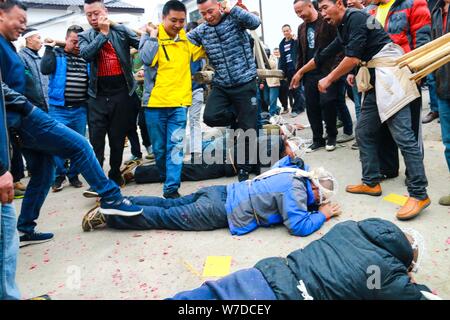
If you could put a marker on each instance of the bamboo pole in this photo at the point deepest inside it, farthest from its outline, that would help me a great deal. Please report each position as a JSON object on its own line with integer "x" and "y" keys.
{"x": 432, "y": 67}
{"x": 425, "y": 60}
{"x": 433, "y": 45}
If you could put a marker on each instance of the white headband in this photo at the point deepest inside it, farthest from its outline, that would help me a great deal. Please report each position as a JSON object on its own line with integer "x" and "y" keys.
{"x": 30, "y": 34}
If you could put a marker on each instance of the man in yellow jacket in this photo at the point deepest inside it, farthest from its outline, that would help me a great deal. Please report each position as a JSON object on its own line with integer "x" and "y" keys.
{"x": 167, "y": 54}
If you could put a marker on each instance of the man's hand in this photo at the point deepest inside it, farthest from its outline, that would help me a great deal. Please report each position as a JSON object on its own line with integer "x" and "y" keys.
{"x": 324, "y": 84}
{"x": 331, "y": 209}
{"x": 226, "y": 8}
{"x": 351, "y": 80}
{"x": 295, "y": 82}
{"x": 261, "y": 86}
{"x": 49, "y": 42}
{"x": 6, "y": 188}
{"x": 140, "y": 73}
{"x": 152, "y": 30}
{"x": 104, "y": 25}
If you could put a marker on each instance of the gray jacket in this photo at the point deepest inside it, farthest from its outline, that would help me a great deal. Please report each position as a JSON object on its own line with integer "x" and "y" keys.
{"x": 36, "y": 82}
{"x": 121, "y": 38}
{"x": 229, "y": 48}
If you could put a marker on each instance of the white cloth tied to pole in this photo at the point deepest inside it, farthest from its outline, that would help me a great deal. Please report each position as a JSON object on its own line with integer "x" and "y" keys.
{"x": 393, "y": 88}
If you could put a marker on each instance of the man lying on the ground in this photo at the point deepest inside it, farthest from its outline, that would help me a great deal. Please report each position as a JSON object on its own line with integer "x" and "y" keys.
{"x": 283, "y": 195}
{"x": 367, "y": 260}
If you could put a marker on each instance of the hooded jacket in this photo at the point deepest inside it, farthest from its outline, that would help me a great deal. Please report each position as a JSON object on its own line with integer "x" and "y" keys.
{"x": 366, "y": 260}
{"x": 228, "y": 47}
{"x": 167, "y": 69}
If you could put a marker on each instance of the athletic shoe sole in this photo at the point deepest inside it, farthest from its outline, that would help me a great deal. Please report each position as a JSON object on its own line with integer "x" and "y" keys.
{"x": 313, "y": 150}
{"x": 92, "y": 220}
{"x": 345, "y": 140}
{"x": 330, "y": 148}
{"x": 57, "y": 189}
{"x": 115, "y": 212}
{"x": 29, "y": 243}
{"x": 90, "y": 194}
{"x": 373, "y": 194}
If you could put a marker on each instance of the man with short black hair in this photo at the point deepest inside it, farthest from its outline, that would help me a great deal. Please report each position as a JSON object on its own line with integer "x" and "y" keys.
{"x": 68, "y": 87}
{"x": 113, "y": 102}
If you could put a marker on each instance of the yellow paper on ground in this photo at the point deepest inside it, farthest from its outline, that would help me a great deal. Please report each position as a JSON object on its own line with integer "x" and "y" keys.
{"x": 396, "y": 198}
{"x": 217, "y": 266}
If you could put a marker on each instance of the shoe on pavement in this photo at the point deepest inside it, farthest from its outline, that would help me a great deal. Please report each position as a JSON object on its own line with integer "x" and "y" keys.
{"x": 122, "y": 207}
{"x": 412, "y": 208}
{"x": 243, "y": 175}
{"x": 90, "y": 193}
{"x": 34, "y": 238}
{"x": 331, "y": 144}
{"x": 172, "y": 195}
{"x": 58, "y": 185}
{"x": 345, "y": 138}
{"x": 364, "y": 189}
{"x": 20, "y": 186}
{"x": 133, "y": 159}
{"x": 314, "y": 147}
{"x": 355, "y": 146}
{"x": 19, "y": 194}
{"x": 339, "y": 124}
{"x": 75, "y": 182}
{"x": 42, "y": 297}
{"x": 150, "y": 156}
{"x": 445, "y": 201}
{"x": 93, "y": 219}
{"x": 431, "y": 116}
{"x": 294, "y": 114}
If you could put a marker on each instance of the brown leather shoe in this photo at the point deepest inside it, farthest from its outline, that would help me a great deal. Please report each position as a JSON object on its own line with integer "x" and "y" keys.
{"x": 430, "y": 117}
{"x": 364, "y": 189}
{"x": 412, "y": 208}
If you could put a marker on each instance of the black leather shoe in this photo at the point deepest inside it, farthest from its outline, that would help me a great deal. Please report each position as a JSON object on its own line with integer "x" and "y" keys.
{"x": 243, "y": 175}
{"x": 173, "y": 195}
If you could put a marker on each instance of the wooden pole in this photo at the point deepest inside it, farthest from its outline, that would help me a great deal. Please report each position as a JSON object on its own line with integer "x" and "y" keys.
{"x": 432, "y": 67}
{"x": 433, "y": 45}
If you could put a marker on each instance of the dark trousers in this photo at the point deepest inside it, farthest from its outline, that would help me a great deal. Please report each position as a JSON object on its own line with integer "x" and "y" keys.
{"x": 284, "y": 95}
{"x": 298, "y": 95}
{"x": 134, "y": 137}
{"x": 388, "y": 149}
{"x": 321, "y": 106}
{"x": 17, "y": 166}
{"x": 114, "y": 116}
{"x": 201, "y": 211}
{"x": 342, "y": 109}
{"x": 146, "y": 141}
{"x": 400, "y": 128}
{"x": 235, "y": 107}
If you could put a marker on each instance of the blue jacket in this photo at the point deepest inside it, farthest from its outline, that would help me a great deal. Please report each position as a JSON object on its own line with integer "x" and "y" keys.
{"x": 280, "y": 198}
{"x": 54, "y": 63}
{"x": 341, "y": 264}
{"x": 197, "y": 66}
{"x": 4, "y": 142}
{"x": 228, "y": 47}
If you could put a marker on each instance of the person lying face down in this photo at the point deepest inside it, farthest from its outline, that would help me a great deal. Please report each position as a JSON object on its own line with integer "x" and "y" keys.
{"x": 367, "y": 260}
{"x": 286, "y": 194}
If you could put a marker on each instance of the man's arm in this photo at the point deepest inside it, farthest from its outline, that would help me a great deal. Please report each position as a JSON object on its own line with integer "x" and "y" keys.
{"x": 195, "y": 37}
{"x": 48, "y": 62}
{"x": 346, "y": 66}
{"x": 133, "y": 39}
{"x": 89, "y": 50}
{"x": 420, "y": 24}
{"x": 15, "y": 101}
{"x": 245, "y": 19}
{"x": 148, "y": 49}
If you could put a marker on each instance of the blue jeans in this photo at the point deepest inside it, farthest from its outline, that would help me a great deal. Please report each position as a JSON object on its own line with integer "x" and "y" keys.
{"x": 400, "y": 127}
{"x": 74, "y": 118}
{"x": 201, "y": 211}
{"x": 167, "y": 127}
{"x": 444, "y": 114}
{"x": 271, "y": 96}
{"x": 356, "y": 100}
{"x": 247, "y": 284}
{"x": 9, "y": 249}
{"x": 434, "y": 99}
{"x": 43, "y": 138}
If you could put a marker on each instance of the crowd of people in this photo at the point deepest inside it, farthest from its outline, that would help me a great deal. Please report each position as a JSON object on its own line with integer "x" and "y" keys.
{"x": 112, "y": 80}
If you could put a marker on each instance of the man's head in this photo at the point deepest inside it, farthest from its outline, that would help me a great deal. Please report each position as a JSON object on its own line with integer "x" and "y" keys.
{"x": 72, "y": 39}
{"x": 287, "y": 31}
{"x": 324, "y": 185}
{"x": 211, "y": 11}
{"x": 174, "y": 17}
{"x": 321, "y": 185}
{"x": 305, "y": 10}
{"x": 333, "y": 11}
{"x": 13, "y": 19}
{"x": 418, "y": 246}
{"x": 33, "y": 39}
{"x": 276, "y": 52}
{"x": 357, "y": 4}
{"x": 93, "y": 10}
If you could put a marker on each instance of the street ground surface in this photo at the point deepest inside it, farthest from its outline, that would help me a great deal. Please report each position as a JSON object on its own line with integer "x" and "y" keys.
{"x": 111, "y": 264}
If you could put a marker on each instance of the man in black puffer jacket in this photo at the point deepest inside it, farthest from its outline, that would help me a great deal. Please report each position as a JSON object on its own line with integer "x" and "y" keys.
{"x": 367, "y": 260}
{"x": 232, "y": 101}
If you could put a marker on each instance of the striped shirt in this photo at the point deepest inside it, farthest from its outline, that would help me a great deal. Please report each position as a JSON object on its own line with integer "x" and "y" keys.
{"x": 77, "y": 80}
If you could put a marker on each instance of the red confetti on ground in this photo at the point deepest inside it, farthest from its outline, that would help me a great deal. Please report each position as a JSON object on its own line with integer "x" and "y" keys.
{"x": 33, "y": 266}
{"x": 448, "y": 241}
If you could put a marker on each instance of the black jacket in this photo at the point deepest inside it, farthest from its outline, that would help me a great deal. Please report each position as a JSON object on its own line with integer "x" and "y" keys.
{"x": 342, "y": 263}
{"x": 443, "y": 73}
